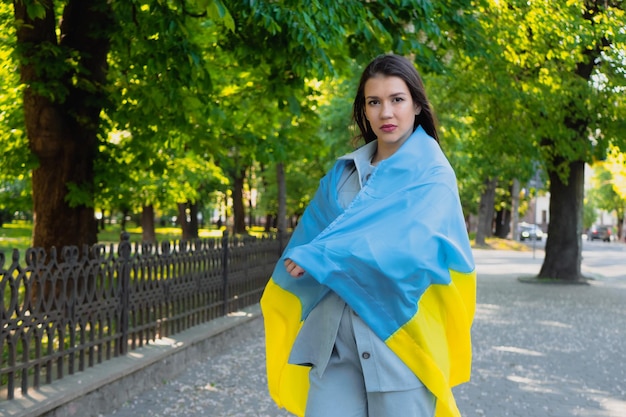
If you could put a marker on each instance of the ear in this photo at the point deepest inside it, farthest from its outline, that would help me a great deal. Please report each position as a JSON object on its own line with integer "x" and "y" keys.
{"x": 418, "y": 109}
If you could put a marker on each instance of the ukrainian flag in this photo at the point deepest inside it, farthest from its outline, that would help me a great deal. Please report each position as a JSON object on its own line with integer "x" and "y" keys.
{"x": 399, "y": 255}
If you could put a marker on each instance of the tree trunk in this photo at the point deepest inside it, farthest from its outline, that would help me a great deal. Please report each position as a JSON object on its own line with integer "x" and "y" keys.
{"x": 148, "y": 233}
{"x": 182, "y": 220}
{"x": 564, "y": 244}
{"x": 239, "y": 211}
{"x": 503, "y": 223}
{"x": 193, "y": 220}
{"x": 515, "y": 209}
{"x": 125, "y": 215}
{"x": 251, "y": 215}
{"x": 269, "y": 222}
{"x": 62, "y": 119}
{"x": 281, "y": 217}
{"x": 485, "y": 211}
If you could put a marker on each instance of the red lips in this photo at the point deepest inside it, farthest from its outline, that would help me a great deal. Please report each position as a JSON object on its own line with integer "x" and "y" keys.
{"x": 388, "y": 128}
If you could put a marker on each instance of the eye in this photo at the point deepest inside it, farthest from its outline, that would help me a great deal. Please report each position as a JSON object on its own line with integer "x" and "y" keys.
{"x": 372, "y": 102}
{"x": 398, "y": 99}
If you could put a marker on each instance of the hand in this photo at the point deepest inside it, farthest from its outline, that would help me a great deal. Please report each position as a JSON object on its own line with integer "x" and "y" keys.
{"x": 293, "y": 269}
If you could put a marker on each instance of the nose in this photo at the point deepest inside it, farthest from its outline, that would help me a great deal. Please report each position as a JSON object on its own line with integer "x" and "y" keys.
{"x": 385, "y": 110}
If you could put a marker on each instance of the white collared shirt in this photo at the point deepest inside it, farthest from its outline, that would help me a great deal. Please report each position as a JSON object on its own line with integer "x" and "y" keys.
{"x": 352, "y": 180}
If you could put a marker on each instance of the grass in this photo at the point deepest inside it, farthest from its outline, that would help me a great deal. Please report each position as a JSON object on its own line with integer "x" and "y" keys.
{"x": 501, "y": 244}
{"x": 15, "y": 236}
{"x": 18, "y": 235}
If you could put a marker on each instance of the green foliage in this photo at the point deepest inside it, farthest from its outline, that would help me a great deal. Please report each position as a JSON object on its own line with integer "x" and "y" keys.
{"x": 317, "y": 40}
{"x": 15, "y": 196}
{"x": 525, "y": 97}
{"x": 565, "y": 57}
{"x": 200, "y": 89}
{"x": 615, "y": 163}
{"x": 485, "y": 129}
{"x": 216, "y": 11}
{"x": 16, "y": 159}
{"x": 35, "y": 9}
{"x": 154, "y": 153}
{"x": 164, "y": 114}
{"x": 590, "y": 213}
{"x": 603, "y": 195}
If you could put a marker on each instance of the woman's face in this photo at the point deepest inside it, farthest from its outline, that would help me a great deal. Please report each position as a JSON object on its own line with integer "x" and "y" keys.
{"x": 390, "y": 110}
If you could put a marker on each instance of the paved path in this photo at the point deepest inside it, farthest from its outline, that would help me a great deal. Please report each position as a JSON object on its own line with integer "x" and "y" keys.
{"x": 539, "y": 351}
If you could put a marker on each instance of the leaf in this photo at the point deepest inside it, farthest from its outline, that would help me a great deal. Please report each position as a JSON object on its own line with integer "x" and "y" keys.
{"x": 35, "y": 10}
{"x": 218, "y": 12}
{"x": 294, "y": 105}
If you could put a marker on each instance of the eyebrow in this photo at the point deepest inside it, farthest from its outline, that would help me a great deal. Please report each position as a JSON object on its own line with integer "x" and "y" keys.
{"x": 401, "y": 93}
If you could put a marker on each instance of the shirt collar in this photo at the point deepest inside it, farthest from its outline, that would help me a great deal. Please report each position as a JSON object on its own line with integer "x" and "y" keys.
{"x": 362, "y": 157}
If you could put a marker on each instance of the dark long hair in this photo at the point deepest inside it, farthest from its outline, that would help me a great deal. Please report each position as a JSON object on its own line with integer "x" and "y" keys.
{"x": 396, "y": 66}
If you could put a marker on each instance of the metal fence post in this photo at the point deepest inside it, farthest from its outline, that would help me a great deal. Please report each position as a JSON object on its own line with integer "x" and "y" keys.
{"x": 225, "y": 273}
{"x": 124, "y": 277}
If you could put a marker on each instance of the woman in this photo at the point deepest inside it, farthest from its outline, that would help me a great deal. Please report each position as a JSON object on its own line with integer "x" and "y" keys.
{"x": 368, "y": 312}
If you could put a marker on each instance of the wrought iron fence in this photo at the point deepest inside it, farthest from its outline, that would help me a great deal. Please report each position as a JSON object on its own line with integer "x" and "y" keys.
{"x": 62, "y": 314}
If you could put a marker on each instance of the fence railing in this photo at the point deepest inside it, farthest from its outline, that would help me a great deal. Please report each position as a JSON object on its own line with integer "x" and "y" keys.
{"x": 62, "y": 313}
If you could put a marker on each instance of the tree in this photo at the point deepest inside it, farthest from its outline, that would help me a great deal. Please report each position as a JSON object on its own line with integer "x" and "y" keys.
{"x": 130, "y": 60}
{"x": 63, "y": 78}
{"x": 161, "y": 87}
{"x": 317, "y": 40}
{"x": 484, "y": 127}
{"x": 577, "y": 108}
{"x": 63, "y": 69}
{"x": 567, "y": 59}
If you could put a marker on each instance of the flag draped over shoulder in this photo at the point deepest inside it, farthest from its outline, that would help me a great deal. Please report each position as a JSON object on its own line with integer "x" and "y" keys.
{"x": 399, "y": 255}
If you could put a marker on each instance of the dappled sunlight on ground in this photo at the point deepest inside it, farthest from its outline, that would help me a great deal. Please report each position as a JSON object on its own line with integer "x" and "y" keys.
{"x": 544, "y": 350}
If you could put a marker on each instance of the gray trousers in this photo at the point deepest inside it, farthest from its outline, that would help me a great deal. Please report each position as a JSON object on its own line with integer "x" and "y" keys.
{"x": 340, "y": 391}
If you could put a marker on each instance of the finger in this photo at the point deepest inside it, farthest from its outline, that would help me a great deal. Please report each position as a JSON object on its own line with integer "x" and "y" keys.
{"x": 289, "y": 265}
{"x": 297, "y": 272}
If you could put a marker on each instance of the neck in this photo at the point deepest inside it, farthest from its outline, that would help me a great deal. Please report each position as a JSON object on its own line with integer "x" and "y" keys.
{"x": 381, "y": 154}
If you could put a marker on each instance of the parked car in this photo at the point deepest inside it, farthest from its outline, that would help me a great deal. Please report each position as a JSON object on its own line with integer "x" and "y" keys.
{"x": 530, "y": 232}
{"x": 602, "y": 233}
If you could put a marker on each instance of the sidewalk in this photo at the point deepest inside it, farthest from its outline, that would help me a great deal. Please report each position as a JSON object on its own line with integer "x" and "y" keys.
{"x": 539, "y": 351}
{"x": 546, "y": 350}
